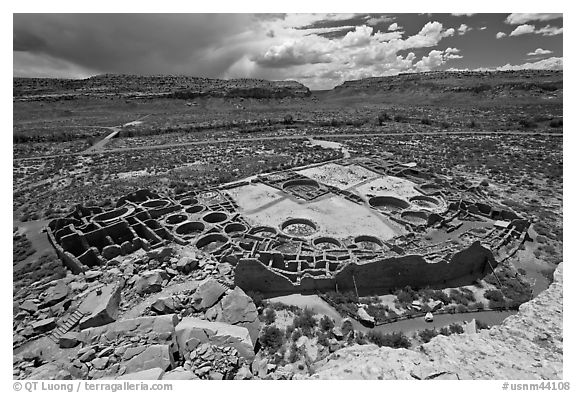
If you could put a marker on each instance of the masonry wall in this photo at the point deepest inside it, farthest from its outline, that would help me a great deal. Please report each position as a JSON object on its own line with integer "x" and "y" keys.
{"x": 377, "y": 277}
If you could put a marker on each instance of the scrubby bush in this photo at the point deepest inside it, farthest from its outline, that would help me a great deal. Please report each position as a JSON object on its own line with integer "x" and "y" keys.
{"x": 481, "y": 325}
{"x": 272, "y": 338}
{"x": 305, "y": 321}
{"x": 427, "y": 334}
{"x": 288, "y": 119}
{"x": 382, "y": 117}
{"x": 556, "y": 123}
{"x": 326, "y": 323}
{"x": 323, "y": 339}
{"x": 406, "y": 295}
{"x": 426, "y": 121}
{"x": 294, "y": 354}
{"x": 393, "y": 340}
{"x": 456, "y": 328}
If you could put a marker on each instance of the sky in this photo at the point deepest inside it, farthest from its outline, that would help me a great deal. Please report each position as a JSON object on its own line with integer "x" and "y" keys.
{"x": 318, "y": 50}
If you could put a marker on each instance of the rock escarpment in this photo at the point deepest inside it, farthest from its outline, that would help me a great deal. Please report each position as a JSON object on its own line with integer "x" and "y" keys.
{"x": 528, "y": 345}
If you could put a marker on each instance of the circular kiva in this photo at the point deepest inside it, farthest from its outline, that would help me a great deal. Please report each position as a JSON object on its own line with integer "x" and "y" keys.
{"x": 188, "y": 202}
{"x": 388, "y": 203}
{"x": 298, "y": 227}
{"x": 327, "y": 243}
{"x": 308, "y": 183}
{"x": 195, "y": 209}
{"x": 415, "y": 217}
{"x": 211, "y": 242}
{"x": 425, "y": 201}
{"x": 192, "y": 228}
{"x": 215, "y": 217}
{"x": 263, "y": 231}
{"x": 368, "y": 242}
{"x": 235, "y": 227}
{"x": 176, "y": 219}
{"x": 113, "y": 215}
{"x": 155, "y": 203}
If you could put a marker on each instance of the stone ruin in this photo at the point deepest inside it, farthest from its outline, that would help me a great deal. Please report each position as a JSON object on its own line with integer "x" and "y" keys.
{"x": 474, "y": 236}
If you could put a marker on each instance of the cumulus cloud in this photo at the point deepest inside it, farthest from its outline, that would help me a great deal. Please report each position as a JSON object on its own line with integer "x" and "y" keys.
{"x": 528, "y": 29}
{"x": 436, "y": 58}
{"x": 463, "y": 14}
{"x": 517, "y": 19}
{"x": 539, "y": 52}
{"x": 393, "y": 27}
{"x": 381, "y": 19}
{"x": 550, "y": 30}
{"x": 500, "y": 35}
{"x": 523, "y": 29}
{"x": 463, "y": 29}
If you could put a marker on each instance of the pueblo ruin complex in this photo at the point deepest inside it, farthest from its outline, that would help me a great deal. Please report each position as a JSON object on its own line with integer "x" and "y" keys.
{"x": 366, "y": 225}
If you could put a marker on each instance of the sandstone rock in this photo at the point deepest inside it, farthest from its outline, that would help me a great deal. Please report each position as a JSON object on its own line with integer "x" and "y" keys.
{"x": 224, "y": 268}
{"x": 55, "y": 294}
{"x": 48, "y": 371}
{"x": 337, "y": 332}
{"x": 29, "y": 306}
{"x": 154, "y": 356}
{"x": 150, "y": 281}
{"x": 215, "y": 376}
{"x": 207, "y": 294}
{"x": 160, "y": 327}
{"x": 91, "y": 275}
{"x": 44, "y": 325}
{"x": 179, "y": 373}
{"x": 239, "y": 309}
{"x": 186, "y": 265}
{"x": 129, "y": 353}
{"x": 365, "y": 318}
{"x": 243, "y": 373}
{"x": 166, "y": 305}
{"x": 69, "y": 340}
{"x": 87, "y": 356}
{"x": 102, "y": 305}
{"x": 100, "y": 363}
{"x": 191, "y": 332}
{"x": 152, "y": 374}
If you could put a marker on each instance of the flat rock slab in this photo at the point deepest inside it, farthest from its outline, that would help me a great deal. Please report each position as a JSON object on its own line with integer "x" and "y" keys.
{"x": 208, "y": 293}
{"x": 154, "y": 356}
{"x": 102, "y": 306}
{"x": 191, "y": 332}
{"x": 152, "y": 374}
{"x": 56, "y": 294}
{"x": 159, "y": 328}
{"x": 239, "y": 309}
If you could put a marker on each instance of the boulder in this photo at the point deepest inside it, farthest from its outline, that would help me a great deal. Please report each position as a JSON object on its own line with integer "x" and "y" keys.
{"x": 152, "y": 374}
{"x": 29, "y": 306}
{"x": 68, "y": 340}
{"x": 158, "y": 328}
{"x": 166, "y": 305}
{"x": 191, "y": 332}
{"x": 243, "y": 373}
{"x": 150, "y": 281}
{"x": 153, "y": 356}
{"x": 208, "y": 293}
{"x": 337, "y": 333}
{"x": 179, "y": 373}
{"x": 55, "y": 294}
{"x": 186, "y": 265}
{"x": 365, "y": 318}
{"x": 239, "y": 309}
{"x": 44, "y": 325}
{"x": 101, "y": 305}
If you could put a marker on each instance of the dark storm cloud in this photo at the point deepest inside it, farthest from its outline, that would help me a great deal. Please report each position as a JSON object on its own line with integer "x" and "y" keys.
{"x": 135, "y": 43}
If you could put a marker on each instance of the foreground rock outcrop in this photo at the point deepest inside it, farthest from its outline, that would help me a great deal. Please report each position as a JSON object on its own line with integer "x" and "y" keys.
{"x": 527, "y": 345}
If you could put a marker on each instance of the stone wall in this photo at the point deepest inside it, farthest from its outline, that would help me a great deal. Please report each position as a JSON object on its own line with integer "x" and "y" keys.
{"x": 380, "y": 276}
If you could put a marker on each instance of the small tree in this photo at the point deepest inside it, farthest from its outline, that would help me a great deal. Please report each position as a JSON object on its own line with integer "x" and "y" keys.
{"x": 272, "y": 338}
{"x": 326, "y": 323}
{"x": 288, "y": 119}
{"x": 269, "y": 316}
{"x": 382, "y": 117}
